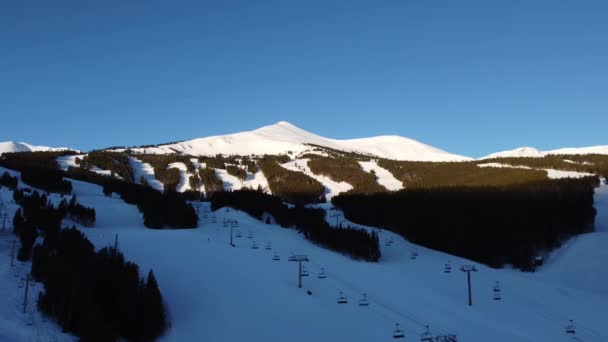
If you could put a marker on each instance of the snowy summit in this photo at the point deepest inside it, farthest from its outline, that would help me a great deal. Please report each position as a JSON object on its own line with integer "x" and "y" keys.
{"x": 284, "y": 137}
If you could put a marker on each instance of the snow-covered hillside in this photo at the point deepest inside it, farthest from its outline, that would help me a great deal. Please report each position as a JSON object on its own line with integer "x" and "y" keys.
{"x": 533, "y": 152}
{"x": 11, "y": 146}
{"x": 284, "y": 137}
{"x": 215, "y": 292}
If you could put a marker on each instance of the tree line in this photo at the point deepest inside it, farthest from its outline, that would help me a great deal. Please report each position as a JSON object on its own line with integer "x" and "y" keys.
{"x": 291, "y": 186}
{"x": 496, "y": 225}
{"x": 358, "y": 243}
{"x": 342, "y": 169}
{"x": 98, "y": 296}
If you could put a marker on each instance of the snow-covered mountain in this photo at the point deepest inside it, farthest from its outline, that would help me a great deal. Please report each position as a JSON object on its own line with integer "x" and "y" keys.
{"x": 11, "y": 146}
{"x": 284, "y": 137}
{"x": 533, "y": 152}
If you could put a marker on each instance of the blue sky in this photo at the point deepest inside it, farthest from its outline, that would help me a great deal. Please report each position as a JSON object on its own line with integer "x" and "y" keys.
{"x": 471, "y": 77}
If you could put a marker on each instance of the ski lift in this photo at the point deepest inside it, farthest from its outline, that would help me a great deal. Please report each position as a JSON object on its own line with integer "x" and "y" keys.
{"x": 322, "y": 274}
{"x": 214, "y": 219}
{"x": 236, "y": 224}
{"x": 304, "y": 271}
{"x": 250, "y": 236}
{"x": 447, "y": 268}
{"x": 570, "y": 329}
{"x": 398, "y": 332}
{"x": 414, "y": 255}
{"x": 276, "y": 257}
{"x": 342, "y": 299}
{"x": 238, "y": 234}
{"x": 268, "y": 247}
{"x": 363, "y": 301}
{"x": 254, "y": 245}
{"x": 427, "y": 336}
{"x": 497, "y": 295}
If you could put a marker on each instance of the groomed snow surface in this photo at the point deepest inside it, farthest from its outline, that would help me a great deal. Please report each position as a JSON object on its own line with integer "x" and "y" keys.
{"x": 215, "y": 292}
{"x": 383, "y": 176}
{"x": 332, "y": 188}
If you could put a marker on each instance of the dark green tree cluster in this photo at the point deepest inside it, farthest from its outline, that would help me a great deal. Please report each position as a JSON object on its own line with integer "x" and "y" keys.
{"x": 493, "y": 225}
{"x": 591, "y": 163}
{"x": 358, "y": 243}
{"x": 291, "y": 186}
{"x": 445, "y": 174}
{"x": 77, "y": 212}
{"x": 210, "y": 180}
{"x": 342, "y": 169}
{"x": 116, "y": 162}
{"x": 46, "y": 179}
{"x": 25, "y": 160}
{"x": 9, "y": 181}
{"x": 236, "y": 172}
{"x": 97, "y": 296}
{"x": 160, "y": 210}
{"x": 170, "y": 177}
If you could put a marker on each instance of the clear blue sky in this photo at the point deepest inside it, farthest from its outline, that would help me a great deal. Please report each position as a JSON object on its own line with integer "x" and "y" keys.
{"x": 471, "y": 77}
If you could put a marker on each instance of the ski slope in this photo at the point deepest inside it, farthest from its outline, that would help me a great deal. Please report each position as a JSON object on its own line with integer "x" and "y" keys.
{"x": 332, "y": 188}
{"x": 141, "y": 169}
{"x": 253, "y": 181}
{"x": 383, "y": 176}
{"x": 215, "y": 292}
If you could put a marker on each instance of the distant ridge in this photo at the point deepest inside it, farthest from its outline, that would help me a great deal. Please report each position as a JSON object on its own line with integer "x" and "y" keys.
{"x": 284, "y": 137}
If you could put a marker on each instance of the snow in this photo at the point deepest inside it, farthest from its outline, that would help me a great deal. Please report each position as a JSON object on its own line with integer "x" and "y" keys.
{"x": 215, "y": 292}
{"x": 184, "y": 176}
{"x": 551, "y": 173}
{"x": 284, "y": 137}
{"x": 11, "y": 146}
{"x": 332, "y": 188}
{"x": 581, "y": 262}
{"x": 65, "y": 162}
{"x": 533, "y": 152}
{"x": 253, "y": 181}
{"x": 384, "y": 176}
{"x": 145, "y": 170}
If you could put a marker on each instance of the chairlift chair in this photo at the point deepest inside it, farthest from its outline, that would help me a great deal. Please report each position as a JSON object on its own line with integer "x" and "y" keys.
{"x": 304, "y": 271}
{"x": 238, "y": 234}
{"x": 570, "y": 329}
{"x": 363, "y": 301}
{"x": 398, "y": 332}
{"x": 254, "y": 245}
{"x": 342, "y": 299}
{"x": 496, "y": 291}
{"x": 447, "y": 268}
{"x": 268, "y": 247}
{"x": 413, "y": 255}
{"x": 427, "y": 336}
{"x": 276, "y": 257}
{"x": 322, "y": 274}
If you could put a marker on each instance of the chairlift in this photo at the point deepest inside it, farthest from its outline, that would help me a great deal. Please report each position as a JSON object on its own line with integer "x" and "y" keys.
{"x": 276, "y": 257}
{"x": 250, "y": 236}
{"x": 427, "y": 336}
{"x": 268, "y": 247}
{"x": 304, "y": 271}
{"x": 363, "y": 301}
{"x": 398, "y": 332}
{"x": 413, "y": 255}
{"x": 342, "y": 299}
{"x": 497, "y": 295}
{"x": 447, "y": 268}
{"x": 322, "y": 274}
{"x": 570, "y": 329}
{"x": 254, "y": 245}
{"x": 238, "y": 234}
